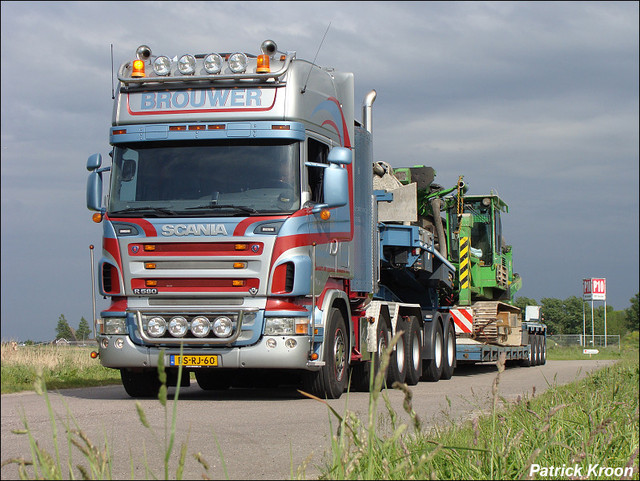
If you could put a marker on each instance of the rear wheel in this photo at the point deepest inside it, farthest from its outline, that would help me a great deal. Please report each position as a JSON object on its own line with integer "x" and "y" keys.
{"x": 413, "y": 349}
{"x": 543, "y": 349}
{"x": 213, "y": 379}
{"x": 331, "y": 379}
{"x": 142, "y": 384}
{"x": 432, "y": 369}
{"x": 398, "y": 360}
{"x": 529, "y": 361}
{"x": 449, "y": 354}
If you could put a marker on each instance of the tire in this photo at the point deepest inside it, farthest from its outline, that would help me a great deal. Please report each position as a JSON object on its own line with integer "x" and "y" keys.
{"x": 536, "y": 350}
{"x": 331, "y": 379}
{"x": 213, "y": 379}
{"x": 397, "y": 371}
{"x": 413, "y": 350}
{"x": 382, "y": 342}
{"x": 449, "y": 354}
{"x": 142, "y": 384}
{"x": 432, "y": 369}
{"x": 543, "y": 350}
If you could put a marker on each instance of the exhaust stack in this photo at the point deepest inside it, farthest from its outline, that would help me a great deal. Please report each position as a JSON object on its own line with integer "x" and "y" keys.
{"x": 366, "y": 110}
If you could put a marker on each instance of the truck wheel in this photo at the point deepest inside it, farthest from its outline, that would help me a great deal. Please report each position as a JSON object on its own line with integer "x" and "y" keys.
{"x": 432, "y": 369}
{"x": 213, "y": 379}
{"x": 536, "y": 350}
{"x": 331, "y": 379}
{"x": 543, "y": 350}
{"x": 449, "y": 354}
{"x": 413, "y": 349}
{"x": 142, "y": 384}
{"x": 398, "y": 360}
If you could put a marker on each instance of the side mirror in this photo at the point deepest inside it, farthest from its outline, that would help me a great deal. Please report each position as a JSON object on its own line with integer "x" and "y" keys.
{"x": 339, "y": 155}
{"x": 94, "y": 162}
{"x": 336, "y": 186}
{"x": 94, "y": 191}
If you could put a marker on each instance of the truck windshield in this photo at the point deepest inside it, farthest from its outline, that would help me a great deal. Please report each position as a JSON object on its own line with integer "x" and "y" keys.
{"x": 205, "y": 178}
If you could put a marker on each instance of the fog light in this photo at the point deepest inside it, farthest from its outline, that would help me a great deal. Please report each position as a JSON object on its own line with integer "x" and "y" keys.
{"x": 187, "y": 64}
{"x": 222, "y": 326}
{"x": 178, "y": 326}
{"x": 200, "y": 326}
{"x": 271, "y": 343}
{"x": 118, "y": 343}
{"x": 213, "y": 63}
{"x": 157, "y": 326}
{"x": 290, "y": 343}
{"x": 162, "y": 66}
{"x": 238, "y": 62}
{"x": 104, "y": 343}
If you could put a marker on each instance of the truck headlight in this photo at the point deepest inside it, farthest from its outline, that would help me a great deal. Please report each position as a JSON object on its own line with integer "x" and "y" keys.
{"x": 286, "y": 326}
{"x": 157, "y": 326}
{"x": 200, "y": 326}
{"x": 114, "y": 325}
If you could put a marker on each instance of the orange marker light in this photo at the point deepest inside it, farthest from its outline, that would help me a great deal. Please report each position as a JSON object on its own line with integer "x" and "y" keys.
{"x": 237, "y": 283}
{"x": 149, "y": 247}
{"x": 239, "y": 265}
{"x": 149, "y": 265}
{"x": 138, "y": 69}
{"x": 94, "y": 354}
{"x": 151, "y": 283}
{"x": 263, "y": 64}
{"x": 241, "y": 247}
{"x": 97, "y": 217}
{"x": 325, "y": 214}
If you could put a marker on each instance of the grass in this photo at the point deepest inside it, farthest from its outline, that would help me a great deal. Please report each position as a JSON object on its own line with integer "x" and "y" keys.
{"x": 62, "y": 367}
{"x": 592, "y": 424}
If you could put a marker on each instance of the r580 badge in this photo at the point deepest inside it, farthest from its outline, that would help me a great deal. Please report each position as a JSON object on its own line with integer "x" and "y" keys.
{"x": 145, "y": 291}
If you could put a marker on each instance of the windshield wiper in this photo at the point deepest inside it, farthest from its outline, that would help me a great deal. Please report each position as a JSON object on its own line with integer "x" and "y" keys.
{"x": 212, "y": 206}
{"x": 147, "y": 210}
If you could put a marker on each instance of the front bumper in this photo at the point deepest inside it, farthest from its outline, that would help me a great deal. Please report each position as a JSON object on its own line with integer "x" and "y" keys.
{"x": 259, "y": 355}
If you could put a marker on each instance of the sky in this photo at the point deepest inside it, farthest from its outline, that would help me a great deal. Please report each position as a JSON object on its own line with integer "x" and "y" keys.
{"x": 536, "y": 101}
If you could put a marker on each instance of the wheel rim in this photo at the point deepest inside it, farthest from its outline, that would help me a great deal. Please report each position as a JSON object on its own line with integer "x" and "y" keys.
{"x": 415, "y": 350}
{"x": 438, "y": 349}
{"x": 339, "y": 354}
{"x": 450, "y": 351}
{"x": 400, "y": 354}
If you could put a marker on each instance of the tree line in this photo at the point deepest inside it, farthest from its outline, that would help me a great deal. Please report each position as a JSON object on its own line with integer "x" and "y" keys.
{"x": 65, "y": 331}
{"x": 565, "y": 316}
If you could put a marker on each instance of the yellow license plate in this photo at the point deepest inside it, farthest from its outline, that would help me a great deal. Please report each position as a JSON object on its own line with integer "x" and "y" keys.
{"x": 210, "y": 361}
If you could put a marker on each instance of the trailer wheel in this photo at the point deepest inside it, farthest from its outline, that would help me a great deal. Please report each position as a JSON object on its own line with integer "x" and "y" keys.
{"x": 397, "y": 370}
{"x": 140, "y": 384}
{"x": 543, "y": 349}
{"x": 449, "y": 355}
{"x": 331, "y": 379}
{"x": 213, "y": 379}
{"x": 413, "y": 349}
{"x": 432, "y": 369}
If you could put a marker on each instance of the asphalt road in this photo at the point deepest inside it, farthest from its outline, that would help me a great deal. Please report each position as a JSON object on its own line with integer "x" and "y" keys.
{"x": 248, "y": 433}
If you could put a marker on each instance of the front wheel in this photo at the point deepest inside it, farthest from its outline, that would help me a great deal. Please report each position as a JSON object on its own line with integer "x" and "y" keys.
{"x": 331, "y": 379}
{"x": 140, "y": 384}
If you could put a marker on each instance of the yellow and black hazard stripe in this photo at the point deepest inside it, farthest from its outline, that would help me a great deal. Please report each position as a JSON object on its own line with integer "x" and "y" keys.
{"x": 464, "y": 262}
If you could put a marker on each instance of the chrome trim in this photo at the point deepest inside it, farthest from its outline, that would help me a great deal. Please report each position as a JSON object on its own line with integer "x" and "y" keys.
{"x": 210, "y": 77}
{"x": 189, "y": 341}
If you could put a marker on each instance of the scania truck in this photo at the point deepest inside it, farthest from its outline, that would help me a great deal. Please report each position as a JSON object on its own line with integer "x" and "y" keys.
{"x": 247, "y": 232}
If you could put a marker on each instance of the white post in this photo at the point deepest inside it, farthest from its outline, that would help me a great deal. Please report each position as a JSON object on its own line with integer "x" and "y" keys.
{"x": 592, "y": 325}
{"x": 584, "y": 327}
{"x": 605, "y": 322}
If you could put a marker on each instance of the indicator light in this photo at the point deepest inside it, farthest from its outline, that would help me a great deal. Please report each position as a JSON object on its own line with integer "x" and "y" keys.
{"x": 280, "y": 127}
{"x": 325, "y": 214}
{"x": 150, "y": 283}
{"x": 119, "y": 131}
{"x": 149, "y": 265}
{"x": 314, "y": 356}
{"x": 241, "y": 247}
{"x": 239, "y": 265}
{"x": 149, "y": 247}
{"x": 94, "y": 354}
{"x": 178, "y": 127}
{"x": 138, "y": 69}
{"x": 197, "y": 127}
{"x": 216, "y": 127}
{"x": 97, "y": 217}
{"x": 237, "y": 283}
